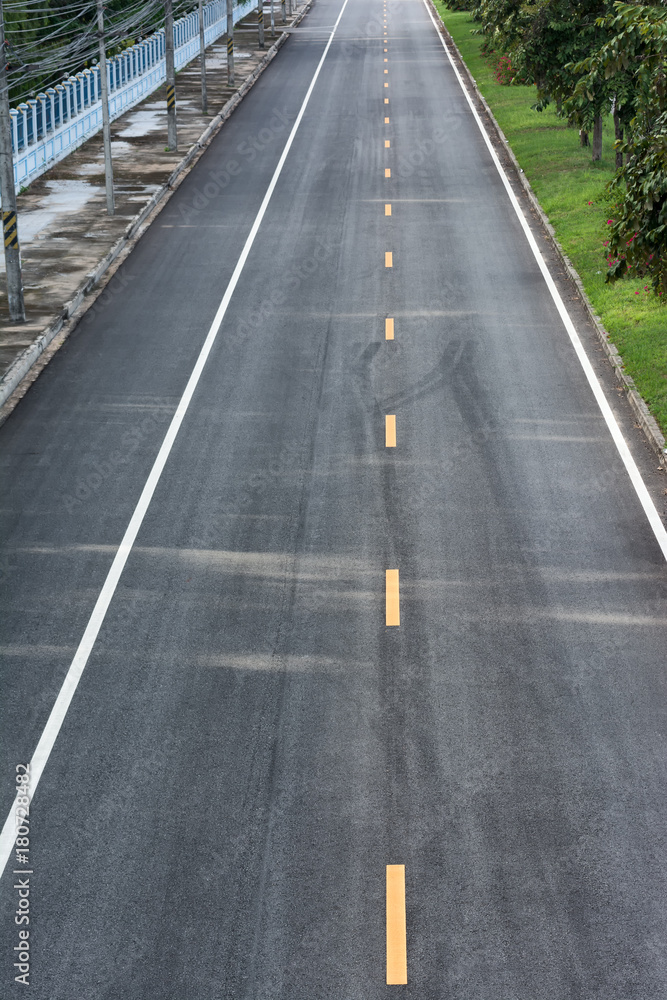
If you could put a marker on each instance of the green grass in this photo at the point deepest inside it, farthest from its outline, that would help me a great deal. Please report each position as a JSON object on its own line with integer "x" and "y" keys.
{"x": 565, "y": 180}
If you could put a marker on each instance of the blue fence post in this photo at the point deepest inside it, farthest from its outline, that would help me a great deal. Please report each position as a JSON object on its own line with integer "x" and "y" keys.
{"x": 51, "y": 94}
{"x": 41, "y": 116}
{"x": 14, "y": 118}
{"x": 32, "y": 104}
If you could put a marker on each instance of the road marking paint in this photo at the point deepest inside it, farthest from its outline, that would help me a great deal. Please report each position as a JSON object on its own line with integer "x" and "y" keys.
{"x": 387, "y": 209}
{"x": 386, "y": 71}
{"x": 96, "y": 620}
{"x": 387, "y": 143}
{"x": 389, "y": 328}
{"x": 386, "y": 84}
{"x": 397, "y": 952}
{"x": 388, "y": 259}
{"x": 638, "y": 483}
{"x": 386, "y": 60}
{"x": 387, "y": 171}
{"x": 386, "y": 121}
{"x": 390, "y": 430}
{"x": 392, "y": 604}
{"x": 386, "y": 101}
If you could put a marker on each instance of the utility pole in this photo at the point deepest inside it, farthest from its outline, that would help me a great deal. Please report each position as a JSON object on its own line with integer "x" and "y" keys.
{"x": 260, "y": 22}
{"x": 172, "y": 137}
{"x": 273, "y": 22}
{"x": 230, "y": 42}
{"x": 202, "y": 58}
{"x": 106, "y": 126}
{"x": 8, "y": 191}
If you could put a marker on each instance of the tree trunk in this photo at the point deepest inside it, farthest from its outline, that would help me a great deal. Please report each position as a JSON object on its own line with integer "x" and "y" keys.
{"x": 597, "y": 137}
{"x": 618, "y": 132}
{"x": 583, "y": 137}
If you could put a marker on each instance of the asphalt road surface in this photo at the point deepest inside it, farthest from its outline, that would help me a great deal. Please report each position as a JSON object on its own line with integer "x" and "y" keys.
{"x": 250, "y": 745}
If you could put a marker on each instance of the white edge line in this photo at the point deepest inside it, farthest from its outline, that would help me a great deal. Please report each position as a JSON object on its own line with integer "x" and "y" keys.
{"x": 635, "y": 476}
{"x": 78, "y": 664}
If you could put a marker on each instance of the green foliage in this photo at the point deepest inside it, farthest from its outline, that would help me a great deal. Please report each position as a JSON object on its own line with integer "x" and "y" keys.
{"x": 557, "y": 34}
{"x": 632, "y": 65}
{"x": 638, "y": 236}
{"x": 49, "y": 40}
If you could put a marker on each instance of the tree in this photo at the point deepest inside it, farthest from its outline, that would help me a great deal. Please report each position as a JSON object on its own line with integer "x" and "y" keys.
{"x": 633, "y": 64}
{"x": 545, "y": 39}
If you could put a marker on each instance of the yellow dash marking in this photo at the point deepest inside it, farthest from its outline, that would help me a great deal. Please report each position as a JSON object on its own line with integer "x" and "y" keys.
{"x": 388, "y": 259}
{"x": 389, "y": 328}
{"x": 392, "y": 605}
{"x": 386, "y": 71}
{"x": 386, "y": 101}
{"x": 386, "y": 60}
{"x": 386, "y": 84}
{"x": 397, "y": 957}
{"x": 387, "y": 171}
{"x": 386, "y": 121}
{"x": 387, "y": 144}
{"x": 390, "y": 430}
{"x": 387, "y": 209}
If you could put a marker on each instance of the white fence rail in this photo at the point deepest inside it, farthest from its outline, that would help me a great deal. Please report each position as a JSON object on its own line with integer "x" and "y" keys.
{"x": 48, "y": 128}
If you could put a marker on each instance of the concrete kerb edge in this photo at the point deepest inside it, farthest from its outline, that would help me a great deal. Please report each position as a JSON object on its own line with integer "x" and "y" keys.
{"x": 641, "y": 411}
{"x": 72, "y": 313}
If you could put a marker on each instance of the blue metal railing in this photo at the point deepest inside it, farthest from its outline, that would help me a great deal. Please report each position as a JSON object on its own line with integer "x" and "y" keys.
{"x": 47, "y": 128}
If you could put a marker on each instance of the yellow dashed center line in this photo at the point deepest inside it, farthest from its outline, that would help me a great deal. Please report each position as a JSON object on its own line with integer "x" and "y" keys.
{"x": 386, "y": 121}
{"x": 392, "y": 611}
{"x": 386, "y": 84}
{"x": 387, "y": 143}
{"x": 397, "y": 958}
{"x": 390, "y": 430}
{"x": 389, "y": 328}
{"x": 386, "y": 100}
{"x": 387, "y": 171}
{"x": 388, "y": 259}
{"x": 387, "y": 209}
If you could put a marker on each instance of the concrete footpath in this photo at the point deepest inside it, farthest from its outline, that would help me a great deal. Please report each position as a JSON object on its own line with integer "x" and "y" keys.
{"x": 66, "y": 236}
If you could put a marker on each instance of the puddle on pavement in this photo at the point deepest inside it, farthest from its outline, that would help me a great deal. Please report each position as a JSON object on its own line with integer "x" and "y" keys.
{"x": 64, "y": 198}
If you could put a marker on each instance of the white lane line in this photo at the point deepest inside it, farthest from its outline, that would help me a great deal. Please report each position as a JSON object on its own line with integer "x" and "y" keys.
{"x": 635, "y": 477}
{"x": 77, "y": 666}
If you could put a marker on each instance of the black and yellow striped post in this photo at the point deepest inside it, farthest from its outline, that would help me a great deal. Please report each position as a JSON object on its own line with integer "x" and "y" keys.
{"x": 230, "y": 42}
{"x": 172, "y": 135}
{"x": 10, "y": 230}
{"x": 260, "y": 22}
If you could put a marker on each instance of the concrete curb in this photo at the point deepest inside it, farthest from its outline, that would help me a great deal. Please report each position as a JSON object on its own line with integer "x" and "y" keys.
{"x": 644, "y": 418}
{"x": 72, "y": 311}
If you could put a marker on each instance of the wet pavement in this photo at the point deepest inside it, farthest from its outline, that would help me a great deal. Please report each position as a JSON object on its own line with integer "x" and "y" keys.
{"x": 64, "y": 228}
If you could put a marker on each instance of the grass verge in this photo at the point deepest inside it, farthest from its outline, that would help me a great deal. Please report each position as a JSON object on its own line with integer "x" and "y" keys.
{"x": 571, "y": 190}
